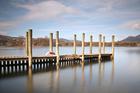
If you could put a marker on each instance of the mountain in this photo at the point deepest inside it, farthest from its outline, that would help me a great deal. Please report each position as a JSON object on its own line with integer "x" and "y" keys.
{"x": 132, "y": 39}
{"x": 20, "y": 41}
{"x": 9, "y": 41}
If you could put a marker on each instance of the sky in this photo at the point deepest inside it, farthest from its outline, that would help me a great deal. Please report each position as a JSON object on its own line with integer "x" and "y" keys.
{"x": 107, "y": 17}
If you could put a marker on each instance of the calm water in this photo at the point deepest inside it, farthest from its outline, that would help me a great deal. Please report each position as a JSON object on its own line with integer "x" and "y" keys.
{"x": 119, "y": 76}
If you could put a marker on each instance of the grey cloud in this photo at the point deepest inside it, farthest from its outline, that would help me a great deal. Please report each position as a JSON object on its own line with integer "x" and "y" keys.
{"x": 131, "y": 25}
{"x": 10, "y": 11}
{"x": 44, "y": 10}
{"x": 121, "y": 10}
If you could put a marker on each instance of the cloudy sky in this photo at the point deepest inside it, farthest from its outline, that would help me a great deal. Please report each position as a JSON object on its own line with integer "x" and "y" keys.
{"x": 118, "y": 17}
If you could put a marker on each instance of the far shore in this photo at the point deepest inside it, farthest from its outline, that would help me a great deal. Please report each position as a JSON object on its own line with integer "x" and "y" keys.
{"x": 95, "y": 44}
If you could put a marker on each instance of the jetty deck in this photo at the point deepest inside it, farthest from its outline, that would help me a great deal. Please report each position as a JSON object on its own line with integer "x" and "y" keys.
{"x": 15, "y": 63}
{"x": 50, "y": 60}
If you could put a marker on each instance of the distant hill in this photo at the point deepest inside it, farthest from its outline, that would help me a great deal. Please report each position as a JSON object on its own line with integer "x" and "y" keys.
{"x": 20, "y": 41}
{"x": 9, "y": 41}
{"x": 132, "y": 39}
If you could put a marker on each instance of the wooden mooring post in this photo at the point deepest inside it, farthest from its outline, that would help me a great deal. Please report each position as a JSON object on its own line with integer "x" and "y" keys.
{"x": 30, "y": 48}
{"x": 74, "y": 44}
{"x": 51, "y": 42}
{"x": 83, "y": 46}
{"x": 113, "y": 44}
{"x": 26, "y": 44}
{"x": 100, "y": 47}
{"x": 91, "y": 44}
{"x": 57, "y": 47}
{"x": 104, "y": 44}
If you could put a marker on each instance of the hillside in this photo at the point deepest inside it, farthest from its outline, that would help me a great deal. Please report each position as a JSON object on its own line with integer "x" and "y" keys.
{"x": 132, "y": 39}
{"x": 9, "y": 41}
{"x": 20, "y": 41}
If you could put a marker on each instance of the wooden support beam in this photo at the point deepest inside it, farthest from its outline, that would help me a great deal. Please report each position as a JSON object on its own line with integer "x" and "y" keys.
{"x": 57, "y": 48}
{"x": 113, "y": 44}
{"x": 30, "y": 48}
{"x": 100, "y": 47}
{"x": 51, "y": 42}
{"x": 104, "y": 44}
{"x": 83, "y": 46}
{"x": 26, "y": 44}
{"x": 91, "y": 44}
{"x": 74, "y": 44}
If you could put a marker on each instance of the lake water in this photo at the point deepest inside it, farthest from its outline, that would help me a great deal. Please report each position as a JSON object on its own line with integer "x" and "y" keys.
{"x": 121, "y": 75}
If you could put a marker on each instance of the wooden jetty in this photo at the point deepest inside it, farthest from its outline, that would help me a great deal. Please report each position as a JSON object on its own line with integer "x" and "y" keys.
{"x": 35, "y": 62}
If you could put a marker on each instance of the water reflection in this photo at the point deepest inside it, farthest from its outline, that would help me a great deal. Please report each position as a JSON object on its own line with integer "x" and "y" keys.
{"x": 100, "y": 74}
{"x": 57, "y": 80}
{"x": 74, "y": 75}
{"x": 83, "y": 77}
{"x": 30, "y": 81}
{"x": 51, "y": 81}
{"x": 103, "y": 72}
{"x": 54, "y": 81}
{"x": 55, "y": 75}
{"x": 112, "y": 72}
{"x": 90, "y": 71}
{"x": 121, "y": 76}
{"x": 134, "y": 51}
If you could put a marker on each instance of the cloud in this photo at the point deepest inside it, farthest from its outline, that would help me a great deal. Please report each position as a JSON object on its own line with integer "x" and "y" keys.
{"x": 47, "y": 10}
{"x": 136, "y": 26}
{"x": 131, "y": 25}
{"x": 43, "y": 10}
{"x": 74, "y": 13}
{"x": 6, "y": 26}
{"x": 120, "y": 9}
{"x": 3, "y": 33}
